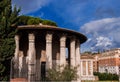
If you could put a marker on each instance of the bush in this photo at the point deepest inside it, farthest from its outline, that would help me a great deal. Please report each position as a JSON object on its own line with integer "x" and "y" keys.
{"x": 23, "y": 20}
{"x": 106, "y": 76}
{"x": 48, "y": 22}
{"x": 68, "y": 74}
{"x": 29, "y": 20}
{"x": 33, "y": 21}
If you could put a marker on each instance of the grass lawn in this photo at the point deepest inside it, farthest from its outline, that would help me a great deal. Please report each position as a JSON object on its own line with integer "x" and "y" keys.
{"x": 107, "y": 81}
{"x": 100, "y": 81}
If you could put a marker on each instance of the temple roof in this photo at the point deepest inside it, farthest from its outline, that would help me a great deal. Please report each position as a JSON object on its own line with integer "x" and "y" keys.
{"x": 81, "y": 37}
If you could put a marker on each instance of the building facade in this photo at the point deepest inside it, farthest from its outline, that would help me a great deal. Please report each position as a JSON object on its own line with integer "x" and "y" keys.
{"x": 87, "y": 67}
{"x": 95, "y": 62}
{"x": 42, "y": 47}
{"x": 109, "y": 61}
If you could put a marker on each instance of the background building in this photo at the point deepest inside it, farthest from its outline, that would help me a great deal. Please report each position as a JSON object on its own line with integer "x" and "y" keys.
{"x": 104, "y": 62}
{"x": 95, "y": 62}
{"x": 87, "y": 67}
{"x": 109, "y": 61}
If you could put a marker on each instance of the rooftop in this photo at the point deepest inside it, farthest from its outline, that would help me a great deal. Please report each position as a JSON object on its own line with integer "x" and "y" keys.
{"x": 81, "y": 37}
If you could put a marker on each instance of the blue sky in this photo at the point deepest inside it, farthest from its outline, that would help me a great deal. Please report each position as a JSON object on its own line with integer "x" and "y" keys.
{"x": 99, "y": 20}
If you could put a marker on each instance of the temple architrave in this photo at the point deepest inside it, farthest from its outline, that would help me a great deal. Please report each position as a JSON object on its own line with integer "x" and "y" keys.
{"x": 41, "y": 47}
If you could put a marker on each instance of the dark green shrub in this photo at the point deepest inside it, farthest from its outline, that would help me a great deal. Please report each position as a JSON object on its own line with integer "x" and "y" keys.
{"x": 23, "y": 20}
{"x": 68, "y": 74}
{"x": 8, "y": 22}
{"x": 106, "y": 76}
{"x": 48, "y": 22}
{"x": 28, "y": 20}
{"x": 33, "y": 21}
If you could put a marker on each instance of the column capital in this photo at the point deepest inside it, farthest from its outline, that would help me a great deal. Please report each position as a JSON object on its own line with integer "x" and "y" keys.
{"x": 31, "y": 36}
{"x": 17, "y": 37}
{"x": 49, "y": 36}
{"x": 62, "y": 34}
{"x": 50, "y": 32}
{"x": 63, "y": 38}
{"x": 77, "y": 43}
{"x": 72, "y": 38}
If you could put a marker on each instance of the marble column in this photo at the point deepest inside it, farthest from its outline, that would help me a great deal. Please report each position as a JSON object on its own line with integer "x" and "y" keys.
{"x": 49, "y": 50}
{"x": 86, "y": 68}
{"x": 63, "y": 50}
{"x": 81, "y": 68}
{"x": 31, "y": 58}
{"x": 16, "y": 56}
{"x": 57, "y": 60}
{"x": 91, "y": 66}
{"x": 72, "y": 52}
{"x": 77, "y": 58}
{"x": 21, "y": 63}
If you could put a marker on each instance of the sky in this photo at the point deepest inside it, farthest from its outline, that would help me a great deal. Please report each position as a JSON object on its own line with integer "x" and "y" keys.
{"x": 99, "y": 20}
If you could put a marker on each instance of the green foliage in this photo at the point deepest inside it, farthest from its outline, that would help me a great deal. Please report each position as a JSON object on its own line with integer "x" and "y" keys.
{"x": 28, "y": 20}
{"x": 68, "y": 74}
{"x": 2, "y": 69}
{"x": 8, "y": 19}
{"x": 23, "y": 20}
{"x": 87, "y": 52}
{"x": 33, "y": 21}
{"x": 106, "y": 76}
{"x": 48, "y": 22}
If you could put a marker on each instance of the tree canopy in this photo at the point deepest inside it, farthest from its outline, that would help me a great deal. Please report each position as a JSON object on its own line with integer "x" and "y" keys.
{"x": 8, "y": 17}
{"x": 29, "y": 20}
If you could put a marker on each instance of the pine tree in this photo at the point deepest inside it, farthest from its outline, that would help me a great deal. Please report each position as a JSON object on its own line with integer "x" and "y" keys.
{"x": 8, "y": 18}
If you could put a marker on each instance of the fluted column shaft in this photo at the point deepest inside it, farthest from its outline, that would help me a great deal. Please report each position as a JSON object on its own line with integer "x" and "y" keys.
{"x": 77, "y": 58}
{"x": 72, "y": 52}
{"x": 49, "y": 50}
{"x": 81, "y": 68}
{"x": 86, "y": 68}
{"x": 63, "y": 50}
{"x": 91, "y": 65}
{"x": 31, "y": 58}
{"x": 16, "y": 54}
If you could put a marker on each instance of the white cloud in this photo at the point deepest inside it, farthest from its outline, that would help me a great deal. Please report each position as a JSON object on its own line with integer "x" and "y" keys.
{"x": 106, "y": 24}
{"x": 28, "y": 6}
{"x": 104, "y": 33}
{"x": 101, "y": 42}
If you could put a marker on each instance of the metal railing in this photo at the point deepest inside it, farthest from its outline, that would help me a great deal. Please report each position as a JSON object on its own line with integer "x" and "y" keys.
{"x": 18, "y": 70}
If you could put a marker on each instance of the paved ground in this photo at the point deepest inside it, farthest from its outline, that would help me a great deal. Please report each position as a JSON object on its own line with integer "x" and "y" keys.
{"x": 19, "y": 80}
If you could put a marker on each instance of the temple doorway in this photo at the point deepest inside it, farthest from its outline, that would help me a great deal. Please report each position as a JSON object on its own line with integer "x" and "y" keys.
{"x": 43, "y": 70}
